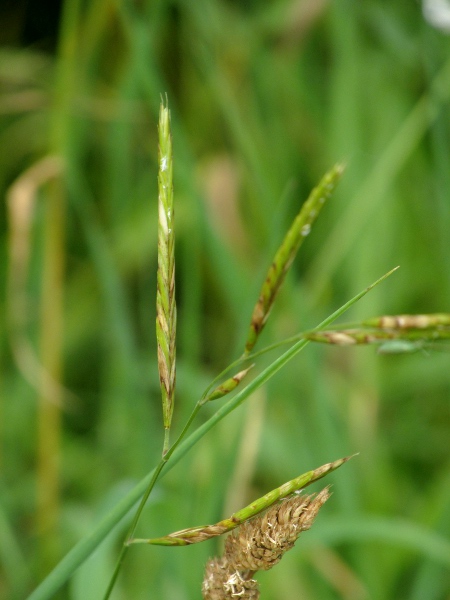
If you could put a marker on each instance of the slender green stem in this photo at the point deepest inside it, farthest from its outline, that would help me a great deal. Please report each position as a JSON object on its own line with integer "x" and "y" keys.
{"x": 145, "y": 497}
{"x": 184, "y": 431}
{"x": 166, "y": 445}
{"x": 132, "y": 528}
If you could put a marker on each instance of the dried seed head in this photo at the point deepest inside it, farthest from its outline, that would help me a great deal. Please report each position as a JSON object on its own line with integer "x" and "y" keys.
{"x": 222, "y": 582}
{"x": 260, "y": 543}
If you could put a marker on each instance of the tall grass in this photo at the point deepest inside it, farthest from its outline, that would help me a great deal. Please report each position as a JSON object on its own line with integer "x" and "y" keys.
{"x": 263, "y": 99}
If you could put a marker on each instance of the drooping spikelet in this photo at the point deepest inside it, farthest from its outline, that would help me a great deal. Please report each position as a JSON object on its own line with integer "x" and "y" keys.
{"x": 223, "y": 581}
{"x": 259, "y": 544}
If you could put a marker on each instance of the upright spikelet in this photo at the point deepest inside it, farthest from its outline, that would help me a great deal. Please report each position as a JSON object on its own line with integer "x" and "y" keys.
{"x": 166, "y": 314}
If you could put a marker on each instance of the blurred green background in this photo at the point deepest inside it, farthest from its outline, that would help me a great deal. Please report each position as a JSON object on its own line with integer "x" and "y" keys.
{"x": 265, "y": 97}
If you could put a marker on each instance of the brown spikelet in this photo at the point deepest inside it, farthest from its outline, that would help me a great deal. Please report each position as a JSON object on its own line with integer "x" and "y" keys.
{"x": 260, "y": 543}
{"x": 223, "y": 581}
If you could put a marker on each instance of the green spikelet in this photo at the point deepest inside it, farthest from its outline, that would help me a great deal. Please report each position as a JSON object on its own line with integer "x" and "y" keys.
{"x": 227, "y": 386}
{"x": 166, "y": 312}
{"x": 287, "y": 251}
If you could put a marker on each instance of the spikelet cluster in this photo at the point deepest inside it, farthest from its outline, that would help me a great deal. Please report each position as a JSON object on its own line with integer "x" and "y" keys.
{"x": 222, "y": 581}
{"x": 259, "y": 544}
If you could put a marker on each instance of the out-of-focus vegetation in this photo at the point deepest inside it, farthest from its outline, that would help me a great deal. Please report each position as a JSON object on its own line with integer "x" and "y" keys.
{"x": 264, "y": 98}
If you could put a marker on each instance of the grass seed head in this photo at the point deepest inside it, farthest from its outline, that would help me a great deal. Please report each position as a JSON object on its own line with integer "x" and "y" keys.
{"x": 259, "y": 544}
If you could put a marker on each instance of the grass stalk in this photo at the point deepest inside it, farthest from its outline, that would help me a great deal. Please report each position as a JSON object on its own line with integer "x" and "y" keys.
{"x": 166, "y": 312}
{"x": 154, "y": 475}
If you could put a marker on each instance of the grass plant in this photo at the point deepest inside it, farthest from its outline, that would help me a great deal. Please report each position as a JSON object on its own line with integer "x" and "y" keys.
{"x": 263, "y": 97}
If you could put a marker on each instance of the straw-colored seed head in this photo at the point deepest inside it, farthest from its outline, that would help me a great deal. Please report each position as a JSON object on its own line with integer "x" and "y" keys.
{"x": 223, "y": 582}
{"x": 260, "y": 543}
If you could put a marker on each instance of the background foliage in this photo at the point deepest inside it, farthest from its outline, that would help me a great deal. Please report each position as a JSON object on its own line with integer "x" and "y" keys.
{"x": 264, "y": 98}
